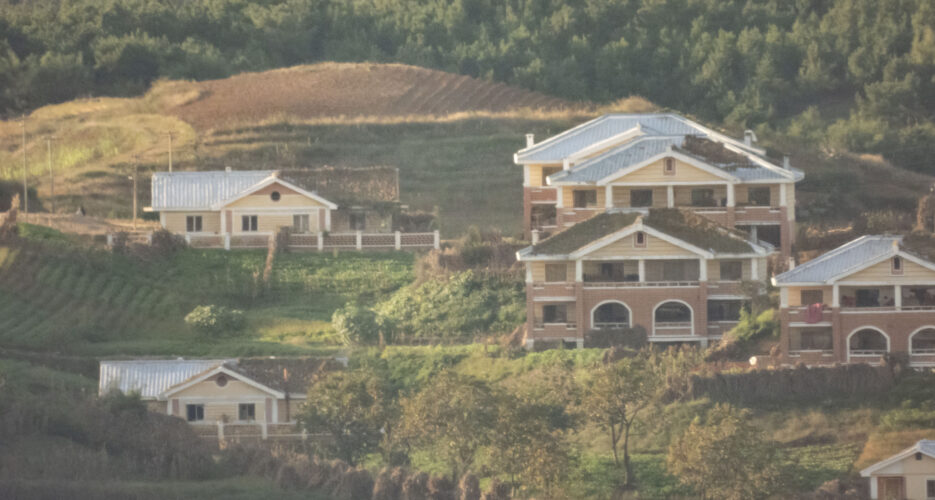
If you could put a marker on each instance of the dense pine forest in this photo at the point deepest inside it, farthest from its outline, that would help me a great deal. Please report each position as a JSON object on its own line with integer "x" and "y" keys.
{"x": 841, "y": 74}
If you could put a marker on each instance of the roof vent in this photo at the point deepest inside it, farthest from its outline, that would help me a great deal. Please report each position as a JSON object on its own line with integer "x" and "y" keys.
{"x": 530, "y": 140}
{"x": 749, "y": 137}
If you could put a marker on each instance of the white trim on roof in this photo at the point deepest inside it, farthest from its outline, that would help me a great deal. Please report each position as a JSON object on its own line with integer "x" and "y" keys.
{"x": 272, "y": 180}
{"x": 717, "y": 172}
{"x": 632, "y": 133}
{"x": 916, "y": 448}
{"x": 637, "y": 226}
{"x": 215, "y": 371}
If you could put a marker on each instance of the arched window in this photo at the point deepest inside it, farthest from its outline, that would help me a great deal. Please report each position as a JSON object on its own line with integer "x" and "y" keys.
{"x": 923, "y": 342}
{"x": 867, "y": 341}
{"x": 611, "y": 315}
{"x": 673, "y": 312}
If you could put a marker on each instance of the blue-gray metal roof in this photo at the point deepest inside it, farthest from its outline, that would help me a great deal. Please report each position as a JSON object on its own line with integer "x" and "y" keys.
{"x": 201, "y": 190}
{"x": 847, "y": 257}
{"x": 556, "y": 148}
{"x": 642, "y": 149}
{"x": 151, "y": 377}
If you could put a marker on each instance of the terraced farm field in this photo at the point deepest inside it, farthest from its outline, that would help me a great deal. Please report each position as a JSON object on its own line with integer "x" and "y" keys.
{"x": 63, "y": 297}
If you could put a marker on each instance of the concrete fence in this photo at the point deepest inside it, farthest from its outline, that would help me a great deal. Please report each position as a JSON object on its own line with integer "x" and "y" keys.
{"x": 313, "y": 242}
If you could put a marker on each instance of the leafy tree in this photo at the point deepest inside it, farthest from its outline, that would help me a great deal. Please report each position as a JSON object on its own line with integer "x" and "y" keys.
{"x": 355, "y": 408}
{"x": 725, "y": 457}
{"x": 450, "y": 418}
{"x": 615, "y": 394}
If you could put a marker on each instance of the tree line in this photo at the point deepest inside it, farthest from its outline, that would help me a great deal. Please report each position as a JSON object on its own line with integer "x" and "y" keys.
{"x": 742, "y": 62}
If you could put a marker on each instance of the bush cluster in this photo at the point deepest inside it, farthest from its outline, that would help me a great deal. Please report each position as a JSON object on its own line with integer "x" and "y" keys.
{"x": 216, "y": 320}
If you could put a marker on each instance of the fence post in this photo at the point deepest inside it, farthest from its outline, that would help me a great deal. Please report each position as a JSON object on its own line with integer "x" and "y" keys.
{"x": 149, "y": 237}
{"x": 360, "y": 241}
{"x": 399, "y": 241}
{"x": 110, "y": 239}
{"x": 227, "y": 241}
{"x": 438, "y": 240}
{"x": 188, "y": 239}
{"x": 321, "y": 241}
{"x": 220, "y": 431}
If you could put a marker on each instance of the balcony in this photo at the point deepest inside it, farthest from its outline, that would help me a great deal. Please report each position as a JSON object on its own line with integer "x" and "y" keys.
{"x": 564, "y": 289}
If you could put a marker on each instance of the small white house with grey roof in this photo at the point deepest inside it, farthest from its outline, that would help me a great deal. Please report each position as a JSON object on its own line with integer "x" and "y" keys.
{"x": 871, "y": 297}
{"x": 658, "y": 160}
{"x": 909, "y": 474}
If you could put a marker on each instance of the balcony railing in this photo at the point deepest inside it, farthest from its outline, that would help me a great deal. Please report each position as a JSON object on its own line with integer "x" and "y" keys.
{"x": 611, "y": 325}
{"x": 867, "y": 352}
{"x": 639, "y": 284}
{"x": 541, "y": 325}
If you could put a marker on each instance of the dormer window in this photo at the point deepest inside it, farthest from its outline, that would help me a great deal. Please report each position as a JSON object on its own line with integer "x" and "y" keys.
{"x": 639, "y": 240}
{"x": 897, "y": 266}
{"x": 669, "y": 166}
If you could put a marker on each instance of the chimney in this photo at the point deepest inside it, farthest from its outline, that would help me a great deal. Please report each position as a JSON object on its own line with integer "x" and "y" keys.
{"x": 227, "y": 169}
{"x": 749, "y": 137}
{"x": 535, "y": 236}
{"x": 785, "y": 162}
{"x": 530, "y": 140}
{"x": 566, "y": 164}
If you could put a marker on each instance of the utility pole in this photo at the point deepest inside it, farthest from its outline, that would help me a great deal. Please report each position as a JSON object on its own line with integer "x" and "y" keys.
{"x": 170, "y": 151}
{"x": 48, "y": 143}
{"x": 134, "y": 177}
{"x": 25, "y": 184}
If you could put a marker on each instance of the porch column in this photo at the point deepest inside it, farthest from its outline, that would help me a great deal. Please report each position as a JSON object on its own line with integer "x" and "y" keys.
{"x": 730, "y": 195}
{"x": 898, "y": 291}
{"x": 835, "y": 296}
{"x": 579, "y": 271}
{"x": 642, "y": 270}
{"x": 702, "y": 269}
{"x": 609, "y": 196}
{"x": 754, "y": 270}
{"x": 559, "y": 203}
{"x": 784, "y": 297}
{"x": 670, "y": 196}
{"x": 753, "y": 234}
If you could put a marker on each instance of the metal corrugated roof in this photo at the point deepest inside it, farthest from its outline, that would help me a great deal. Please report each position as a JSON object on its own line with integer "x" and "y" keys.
{"x": 849, "y": 256}
{"x": 201, "y": 190}
{"x": 556, "y": 148}
{"x": 151, "y": 377}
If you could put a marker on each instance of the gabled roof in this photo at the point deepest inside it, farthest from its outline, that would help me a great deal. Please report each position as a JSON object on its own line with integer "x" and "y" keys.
{"x": 848, "y": 259}
{"x": 150, "y": 377}
{"x": 925, "y": 446}
{"x": 556, "y": 148}
{"x": 693, "y": 230}
{"x": 217, "y": 370}
{"x": 201, "y": 190}
{"x": 273, "y": 179}
{"x": 722, "y": 161}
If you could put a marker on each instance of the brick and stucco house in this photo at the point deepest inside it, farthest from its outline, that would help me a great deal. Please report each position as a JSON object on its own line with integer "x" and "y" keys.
{"x": 677, "y": 275}
{"x": 657, "y": 161}
{"x": 868, "y": 298}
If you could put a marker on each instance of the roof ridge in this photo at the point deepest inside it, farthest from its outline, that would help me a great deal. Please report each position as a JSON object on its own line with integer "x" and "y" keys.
{"x": 570, "y": 133}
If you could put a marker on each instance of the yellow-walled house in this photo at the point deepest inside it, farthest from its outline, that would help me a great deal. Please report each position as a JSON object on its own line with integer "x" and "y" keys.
{"x": 907, "y": 475}
{"x": 256, "y": 397}
{"x": 657, "y": 160}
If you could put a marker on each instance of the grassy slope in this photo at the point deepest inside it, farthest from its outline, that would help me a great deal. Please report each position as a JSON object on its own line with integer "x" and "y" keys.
{"x": 58, "y": 295}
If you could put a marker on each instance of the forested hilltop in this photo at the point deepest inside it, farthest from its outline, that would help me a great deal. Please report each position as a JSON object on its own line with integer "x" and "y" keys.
{"x": 849, "y": 74}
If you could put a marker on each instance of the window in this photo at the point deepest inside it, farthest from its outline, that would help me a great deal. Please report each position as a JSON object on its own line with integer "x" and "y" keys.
{"x": 930, "y": 489}
{"x": 221, "y": 381}
{"x": 584, "y": 199}
{"x": 556, "y": 273}
{"x": 358, "y": 221}
{"x": 641, "y": 197}
{"x": 275, "y": 196}
{"x": 810, "y": 297}
{"x": 758, "y": 196}
{"x": 731, "y": 270}
{"x": 193, "y": 223}
{"x": 248, "y": 223}
{"x": 639, "y": 239}
{"x": 703, "y": 197}
{"x": 300, "y": 223}
{"x": 246, "y": 412}
{"x": 195, "y": 413}
{"x": 811, "y": 339}
{"x": 554, "y": 314}
{"x": 669, "y": 168}
{"x": 868, "y": 297}
{"x": 542, "y": 215}
{"x": 897, "y": 265}
{"x": 724, "y": 310}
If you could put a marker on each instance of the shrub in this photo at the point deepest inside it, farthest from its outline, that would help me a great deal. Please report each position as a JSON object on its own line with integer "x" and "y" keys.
{"x": 357, "y": 324}
{"x": 216, "y": 320}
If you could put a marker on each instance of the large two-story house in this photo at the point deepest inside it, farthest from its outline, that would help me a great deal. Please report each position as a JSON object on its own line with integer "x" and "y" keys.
{"x": 677, "y": 275}
{"x": 657, "y": 161}
{"x": 868, "y": 298}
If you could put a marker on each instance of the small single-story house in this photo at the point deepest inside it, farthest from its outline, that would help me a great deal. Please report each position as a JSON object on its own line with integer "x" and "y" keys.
{"x": 251, "y": 391}
{"x": 907, "y": 475}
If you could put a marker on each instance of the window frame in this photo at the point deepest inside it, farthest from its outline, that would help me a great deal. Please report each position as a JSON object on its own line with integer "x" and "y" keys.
{"x": 298, "y": 227}
{"x": 639, "y": 239}
{"x": 930, "y": 489}
{"x": 195, "y": 412}
{"x": 721, "y": 273}
{"x": 642, "y": 192}
{"x": 897, "y": 266}
{"x": 194, "y": 223}
{"x": 588, "y": 198}
{"x": 559, "y": 313}
{"x": 804, "y": 302}
{"x": 249, "y": 223}
{"x": 251, "y": 413}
